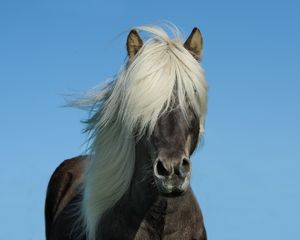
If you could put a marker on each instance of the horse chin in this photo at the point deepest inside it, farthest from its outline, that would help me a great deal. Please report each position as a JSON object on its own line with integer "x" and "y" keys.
{"x": 172, "y": 194}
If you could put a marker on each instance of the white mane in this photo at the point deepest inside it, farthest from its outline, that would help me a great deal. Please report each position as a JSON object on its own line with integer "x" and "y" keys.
{"x": 131, "y": 104}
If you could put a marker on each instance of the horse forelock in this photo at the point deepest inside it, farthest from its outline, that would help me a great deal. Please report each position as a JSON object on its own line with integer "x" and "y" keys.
{"x": 162, "y": 71}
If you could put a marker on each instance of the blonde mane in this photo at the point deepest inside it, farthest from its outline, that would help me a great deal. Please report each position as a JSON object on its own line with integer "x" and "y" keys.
{"x": 129, "y": 107}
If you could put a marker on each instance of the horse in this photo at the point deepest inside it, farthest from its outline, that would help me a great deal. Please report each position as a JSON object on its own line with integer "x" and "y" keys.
{"x": 144, "y": 125}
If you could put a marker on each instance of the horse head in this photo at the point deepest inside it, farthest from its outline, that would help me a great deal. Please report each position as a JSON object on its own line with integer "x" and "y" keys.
{"x": 175, "y": 134}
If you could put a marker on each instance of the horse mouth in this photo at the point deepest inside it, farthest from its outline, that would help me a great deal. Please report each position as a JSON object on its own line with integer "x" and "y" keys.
{"x": 171, "y": 188}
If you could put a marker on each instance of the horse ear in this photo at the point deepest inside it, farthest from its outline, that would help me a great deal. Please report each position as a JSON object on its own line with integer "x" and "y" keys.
{"x": 194, "y": 43}
{"x": 134, "y": 44}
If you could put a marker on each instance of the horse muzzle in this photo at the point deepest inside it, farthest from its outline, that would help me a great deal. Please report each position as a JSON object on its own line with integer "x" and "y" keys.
{"x": 172, "y": 176}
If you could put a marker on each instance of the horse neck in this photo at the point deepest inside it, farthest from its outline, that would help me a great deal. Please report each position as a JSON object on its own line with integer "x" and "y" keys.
{"x": 142, "y": 189}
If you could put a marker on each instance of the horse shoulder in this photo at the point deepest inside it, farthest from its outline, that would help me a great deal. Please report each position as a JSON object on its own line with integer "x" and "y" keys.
{"x": 64, "y": 185}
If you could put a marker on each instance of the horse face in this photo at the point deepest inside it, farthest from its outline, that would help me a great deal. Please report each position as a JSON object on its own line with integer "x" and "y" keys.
{"x": 173, "y": 141}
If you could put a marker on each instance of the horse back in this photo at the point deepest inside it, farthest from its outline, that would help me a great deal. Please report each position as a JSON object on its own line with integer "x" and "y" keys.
{"x": 65, "y": 183}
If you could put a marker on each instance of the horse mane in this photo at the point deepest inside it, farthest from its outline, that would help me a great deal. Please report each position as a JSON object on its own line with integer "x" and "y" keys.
{"x": 128, "y": 108}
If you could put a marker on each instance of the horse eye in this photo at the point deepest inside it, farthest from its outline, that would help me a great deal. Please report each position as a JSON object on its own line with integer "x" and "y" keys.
{"x": 193, "y": 125}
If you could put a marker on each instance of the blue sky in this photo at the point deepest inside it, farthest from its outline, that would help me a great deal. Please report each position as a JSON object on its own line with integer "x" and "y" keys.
{"x": 246, "y": 175}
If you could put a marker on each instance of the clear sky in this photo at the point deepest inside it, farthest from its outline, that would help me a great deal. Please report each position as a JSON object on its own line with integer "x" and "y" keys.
{"x": 246, "y": 175}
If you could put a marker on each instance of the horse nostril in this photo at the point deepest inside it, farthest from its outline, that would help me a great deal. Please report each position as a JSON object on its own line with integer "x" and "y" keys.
{"x": 161, "y": 169}
{"x": 185, "y": 166}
